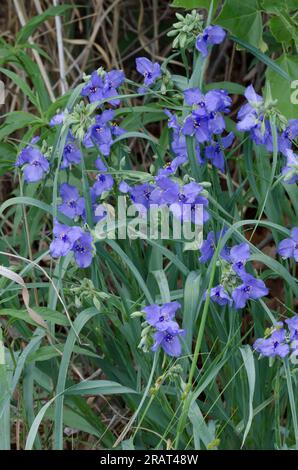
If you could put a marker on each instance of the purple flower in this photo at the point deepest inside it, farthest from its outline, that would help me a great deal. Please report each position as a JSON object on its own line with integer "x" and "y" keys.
{"x": 169, "y": 341}
{"x": 142, "y": 194}
{"x": 290, "y": 171}
{"x": 102, "y": 132}
{"x": 215, "y": 154}
{"x": 99, "y": 212}
{"x": 288, "y": 135}
{"x": 288, "y": 248}
{"x": 216, "y": 123}
{"x": 197, "y": 125}
{"x": 57, "y": 119}
{"x": 112, "y": 81}
{"x": 124, "y": 187}
{"x": 207, "y": 248}
{"x": 150, "y": 70}
{"x": 93, "y": 89}
{"x": 36, "y": 164}
{"x": 161, "y": 317}
{"x": 237, "y": 256}
{"x": 251, "y": 288}
{"x": 104, "y": 182}
{"x": 178, "y": 197}
{"x": 71, "y": 153}
{"x": 82, "y": 249}
{"x": 211, "y": 102}
{"x": 73, "y": 205}
{"x": 248, "y": 113}
{"x": 104, "y": 87}
{"x": 275, "y": 345}
{"x": 64, "y": 239}
{"x": 171, "y": 167}
{"x": 219, "y": 295}
{"x": 178, "y": 144}
{"x": 100, "y": 165}
{"x": 293, "y": 327}
{"x": 210, "y": 35}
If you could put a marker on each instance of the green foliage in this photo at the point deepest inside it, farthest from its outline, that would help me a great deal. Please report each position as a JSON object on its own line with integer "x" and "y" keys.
{"x": 235, "y": 400}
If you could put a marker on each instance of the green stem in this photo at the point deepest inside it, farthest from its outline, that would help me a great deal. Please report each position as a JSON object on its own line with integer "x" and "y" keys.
{"x": 292, "y": 400}
{"x": 188, "y": 396}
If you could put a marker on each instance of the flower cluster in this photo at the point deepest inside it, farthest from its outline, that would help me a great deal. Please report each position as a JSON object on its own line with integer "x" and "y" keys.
{"x": 206, "y": 123}
{"x": 181, "y": 199}
{"x": 278, "y": 341}
{"x": 73, "y": 239}
{"x": 33, "y": 162}
{"x": 160, "y": 325}
{"x": 254, "y": 117}
{"x": 236, "y": 285}
{"x": 102, "y": 86}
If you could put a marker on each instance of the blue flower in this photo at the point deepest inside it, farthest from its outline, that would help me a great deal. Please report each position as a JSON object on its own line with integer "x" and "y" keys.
{"x": 102, "y": 132}
{"x": 275, "y": 345}
{"x": 57, "y": 119}
{"x": 215, "y": 154}
{"x": 93, "y": 89}
{"x": 104, "y": 182}
{"x": 112, "y": 81}
{"x": 100, "y": 165}
{"x": 150, "y": 70}
{"x": 182, "y": 200}
{"x": 169, "y": 341}
{"x": 99, "y": 212}
{"x": 178, "y": 143}
{"x": 213, "y": 101}
{"x": 161, "y": 317}
{"x": 237, "y": 256}
{"x": 207, "y": 248}
{"x": 211, "y": 35}
{"x": 219, "y": 295}
{"x": 101, "y": 88}
{"x": 248, "y": 114}
{"x": 290, "y": 170}
{"x": 71, "y": 153}
{"x": 288, "y": 135}
{"x": 64, "y": 239}
{"x": 197, "y": 125}
{"x": 293, "y": 327}
{"x": 251, "y": 288}
{"x": 36, "y": 165}
{"x": 141, "y": 194}
{"x": 288, "y": 248}
{"x": 73, "y": 205}
{"x": 83, "y": 251}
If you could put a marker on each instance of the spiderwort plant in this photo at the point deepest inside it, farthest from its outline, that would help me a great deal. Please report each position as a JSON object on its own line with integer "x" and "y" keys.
{"x": 191, "y": 163}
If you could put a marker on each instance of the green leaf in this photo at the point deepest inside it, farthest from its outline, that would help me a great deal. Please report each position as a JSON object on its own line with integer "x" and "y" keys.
{"x": 17, "y": 120}
{"x": 98, "y": 387}
{"x": 243, "y": 19}
{"x": 47, "y": 314}
{"x": 48, "y": 352}
{"x": 262, "y": 57}
{"x": 21, "y": 84}
{"x": 278, "y": 30}
{"x": 249, "y": 364}
{"x": 275, "y": 6}
{"x": 280, "y": 88}
{"x": 190, "y": 4}
{"x": 32, "y": 24}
